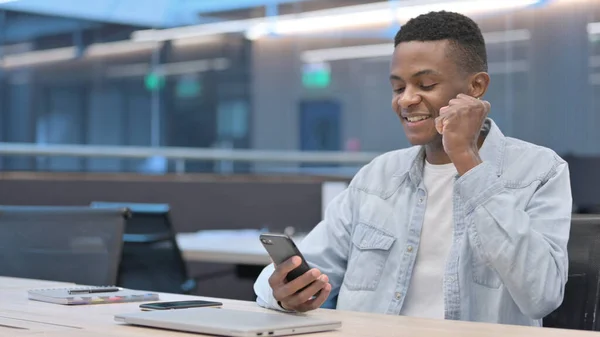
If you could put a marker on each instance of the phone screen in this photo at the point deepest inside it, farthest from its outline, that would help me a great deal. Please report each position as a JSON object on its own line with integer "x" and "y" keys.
{"x": 179, "y": 305}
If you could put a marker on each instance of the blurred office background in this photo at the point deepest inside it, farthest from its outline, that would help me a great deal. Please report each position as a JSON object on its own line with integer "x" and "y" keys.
{"x": 234, "y": 112}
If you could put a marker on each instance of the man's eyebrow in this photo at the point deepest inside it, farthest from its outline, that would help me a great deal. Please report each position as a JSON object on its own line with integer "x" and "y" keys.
{"x": 417, "y": 74}
{"x": 425, "y": 72}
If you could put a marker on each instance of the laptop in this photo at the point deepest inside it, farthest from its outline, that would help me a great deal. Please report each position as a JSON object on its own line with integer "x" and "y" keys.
{"x": 230, "y": 323}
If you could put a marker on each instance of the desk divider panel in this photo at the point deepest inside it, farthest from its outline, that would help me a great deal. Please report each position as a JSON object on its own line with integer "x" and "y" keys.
{"x": 197, "y": 202}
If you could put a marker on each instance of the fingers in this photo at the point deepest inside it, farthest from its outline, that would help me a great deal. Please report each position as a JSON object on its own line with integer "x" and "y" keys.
{"x": 306, "y": 294}
{"x": 281, "y": 271}
{"x": 463, "y": 100}
{"x": 283, "y": 291}
{"x": 439, "y": 124}
{"x": 487, "y": 106}
{"x": 440, "y": 120}
{"x": 462, "y": 97}
{"x": 465, "y": 97}
{"x": 316, "y": 302}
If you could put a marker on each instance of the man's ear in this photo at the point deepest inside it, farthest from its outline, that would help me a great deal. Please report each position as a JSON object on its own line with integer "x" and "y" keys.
{"x": 479, "y": 84}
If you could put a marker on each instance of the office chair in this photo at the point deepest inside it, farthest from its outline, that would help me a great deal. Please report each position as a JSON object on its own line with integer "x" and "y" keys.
{"x": 68, "y": 244}
{"x": 579, "y": 309}
{"x": 151, "y": 258}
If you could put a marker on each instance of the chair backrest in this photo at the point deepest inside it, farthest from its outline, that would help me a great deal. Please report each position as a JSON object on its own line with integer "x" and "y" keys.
{"x": 69, "y": 244}
{"x": 151, "y": 258}
{"x": 147, "y": 220}
{"x": 579, "y": 309}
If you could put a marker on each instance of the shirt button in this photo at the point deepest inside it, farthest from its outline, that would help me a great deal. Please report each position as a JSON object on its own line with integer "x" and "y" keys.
{"x": 398, "y": 295}
{"x": 421, "y": 200}
{"x": 409, "y": 249}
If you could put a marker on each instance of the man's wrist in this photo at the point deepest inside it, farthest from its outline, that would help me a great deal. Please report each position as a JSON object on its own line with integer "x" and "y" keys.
{"x": 466, "y": 160}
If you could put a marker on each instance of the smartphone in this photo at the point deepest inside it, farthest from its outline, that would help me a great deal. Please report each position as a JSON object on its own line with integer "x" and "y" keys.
{"x": 179, "y": 305}
{"x": 281, "y": 248}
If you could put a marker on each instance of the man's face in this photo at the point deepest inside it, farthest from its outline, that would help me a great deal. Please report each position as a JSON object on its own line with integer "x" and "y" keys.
{"x": 424, "y": 79}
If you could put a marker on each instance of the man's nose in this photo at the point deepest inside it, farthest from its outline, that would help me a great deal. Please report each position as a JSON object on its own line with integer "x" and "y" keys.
{"x": 408, "y": 98}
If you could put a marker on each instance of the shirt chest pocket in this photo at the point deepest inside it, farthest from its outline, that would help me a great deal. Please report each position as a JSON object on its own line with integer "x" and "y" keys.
{"x": 482, "y": 273}
{"x": 370, "y": 251}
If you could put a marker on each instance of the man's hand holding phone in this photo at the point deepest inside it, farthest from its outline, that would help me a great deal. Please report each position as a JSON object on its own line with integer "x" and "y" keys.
{"x": 306, "y": 292}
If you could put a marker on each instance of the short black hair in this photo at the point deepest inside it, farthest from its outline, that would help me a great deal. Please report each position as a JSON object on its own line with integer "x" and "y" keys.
{"x": 464, "y": 35}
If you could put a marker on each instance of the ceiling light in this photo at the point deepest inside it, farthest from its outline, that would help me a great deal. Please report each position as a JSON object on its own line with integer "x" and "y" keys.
{"x": 377, "y": 14}
{"x": 593, "y": 28}
{"x": 119, "y": 47}
{"x": 208, "y": 29}
{"x": 39, "y": 57}
{"x": 167, "y": 69}
{"x": 193, "y": 41}
{"x": 346, "y": 53}
{"x": 386, "y": 49}
{"x": 373, "y": 14}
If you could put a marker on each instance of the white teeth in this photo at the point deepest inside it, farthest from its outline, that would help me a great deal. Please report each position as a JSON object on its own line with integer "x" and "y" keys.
{"x": 416, "y": 119}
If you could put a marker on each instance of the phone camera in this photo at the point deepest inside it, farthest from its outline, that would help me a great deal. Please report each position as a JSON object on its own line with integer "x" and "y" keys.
{"x": 267, "y": 241}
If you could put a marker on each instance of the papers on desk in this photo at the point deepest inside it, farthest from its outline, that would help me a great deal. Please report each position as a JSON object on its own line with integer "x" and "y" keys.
{"x": 64, "y": 296}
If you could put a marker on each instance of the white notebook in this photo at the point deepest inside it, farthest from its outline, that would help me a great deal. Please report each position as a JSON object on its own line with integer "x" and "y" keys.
{"x": 90, "y": 295}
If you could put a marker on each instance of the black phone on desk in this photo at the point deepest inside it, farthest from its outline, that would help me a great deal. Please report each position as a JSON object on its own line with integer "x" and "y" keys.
{"x": 179, "y": 305}
{"x": 281, "y": 248}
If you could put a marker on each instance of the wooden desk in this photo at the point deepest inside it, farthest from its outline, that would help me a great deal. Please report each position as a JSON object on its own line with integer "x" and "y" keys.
{"x": 240, "y": 247}
{"x": 20, "y": 283}
{"x": 22, "y": 317}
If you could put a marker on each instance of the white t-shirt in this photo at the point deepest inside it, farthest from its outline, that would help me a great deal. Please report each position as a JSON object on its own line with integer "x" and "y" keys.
{"x": 425, "y": 297}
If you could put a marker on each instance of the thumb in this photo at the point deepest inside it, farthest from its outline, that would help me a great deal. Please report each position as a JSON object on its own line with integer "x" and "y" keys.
{"x": 487, "y": 106}
{"x": 439, "y": 126}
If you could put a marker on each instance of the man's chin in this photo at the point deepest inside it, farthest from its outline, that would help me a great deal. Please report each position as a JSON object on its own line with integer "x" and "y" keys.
{"x": 423, "y": 135}
{"x": 423, "y": 139}
{"x": 418, "y": 142}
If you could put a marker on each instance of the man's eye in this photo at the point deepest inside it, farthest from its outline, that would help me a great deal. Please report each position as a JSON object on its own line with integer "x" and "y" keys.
{"x": 428, "y": 87}
{"x": 399, "y": 90}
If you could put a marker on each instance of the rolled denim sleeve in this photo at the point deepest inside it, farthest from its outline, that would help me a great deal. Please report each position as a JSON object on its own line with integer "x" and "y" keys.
{"x": 326, "y": 248}
{"x": 527, "y": 247}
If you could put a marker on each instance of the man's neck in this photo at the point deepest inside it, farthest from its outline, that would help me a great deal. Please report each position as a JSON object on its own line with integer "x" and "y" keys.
{"x": 435, "y": 154}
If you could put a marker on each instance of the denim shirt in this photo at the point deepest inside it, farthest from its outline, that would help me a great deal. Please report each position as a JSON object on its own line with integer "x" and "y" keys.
{"x": 508, "y": 259}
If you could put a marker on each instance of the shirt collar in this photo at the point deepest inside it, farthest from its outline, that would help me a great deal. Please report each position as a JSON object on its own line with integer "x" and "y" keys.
{"x": 491, "y": 151}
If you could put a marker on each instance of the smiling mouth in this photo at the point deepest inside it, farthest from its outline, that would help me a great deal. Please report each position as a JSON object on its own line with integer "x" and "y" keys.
{"x": 415, "y": 119}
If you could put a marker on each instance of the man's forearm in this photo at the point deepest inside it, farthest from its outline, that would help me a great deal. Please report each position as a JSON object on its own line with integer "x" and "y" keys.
{"x": 466, "y": 161}
{"x": 527, "y": 249}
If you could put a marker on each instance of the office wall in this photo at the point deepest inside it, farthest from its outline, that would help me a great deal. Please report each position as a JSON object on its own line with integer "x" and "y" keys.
{"x": 106, "y": 101}
{"x": 549, "y": 102}
{"x": 359, "y": 86}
